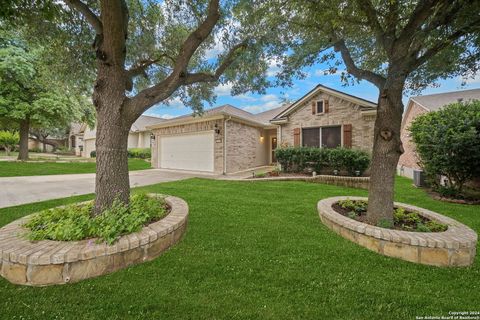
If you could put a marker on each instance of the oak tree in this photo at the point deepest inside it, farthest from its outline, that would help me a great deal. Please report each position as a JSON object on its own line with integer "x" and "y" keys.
{"x": 395, "y": 45}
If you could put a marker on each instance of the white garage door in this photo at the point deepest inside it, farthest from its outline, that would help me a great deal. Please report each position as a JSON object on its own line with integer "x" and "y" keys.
{"x": 187, "y": 152}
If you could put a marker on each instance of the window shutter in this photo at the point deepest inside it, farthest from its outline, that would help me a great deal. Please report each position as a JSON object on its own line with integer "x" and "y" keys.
{"x": 296, "y": 137}
{"x": 325, "y": 106}
{"x": 314, "y": 107}
{"x": 347, "y": 135}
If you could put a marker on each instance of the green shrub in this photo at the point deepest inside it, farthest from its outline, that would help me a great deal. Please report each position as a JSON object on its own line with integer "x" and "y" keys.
{"x": 297, "y": 159}
{"x": 75, "y": 222}
{"x": 448, "y": 143}
{"x": 93, "y": 154}
{"x": 8, "y": 140}
{"x": 142, "y": 153}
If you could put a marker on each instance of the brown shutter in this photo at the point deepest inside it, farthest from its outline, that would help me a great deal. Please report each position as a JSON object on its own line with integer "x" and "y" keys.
{"x": 296, "y": 137}
{"x": 314, "y": 107}
{"x": 347, "y": 135}
{"x": 325, "y": 106}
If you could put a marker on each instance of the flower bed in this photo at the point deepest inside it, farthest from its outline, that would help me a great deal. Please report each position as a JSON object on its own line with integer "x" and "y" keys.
{"x": 454, "y": 247}
{"x": 48, "y": 262}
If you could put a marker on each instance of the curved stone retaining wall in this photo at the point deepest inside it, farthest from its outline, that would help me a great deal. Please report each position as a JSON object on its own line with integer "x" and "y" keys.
{"x": 47, "y": 262}
{"x": 454, "y": 247}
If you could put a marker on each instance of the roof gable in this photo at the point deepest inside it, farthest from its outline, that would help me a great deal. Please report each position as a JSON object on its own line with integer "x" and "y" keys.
{"x": 320, "y": 88}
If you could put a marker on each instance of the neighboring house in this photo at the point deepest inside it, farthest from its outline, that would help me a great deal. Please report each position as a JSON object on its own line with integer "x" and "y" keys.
{"x": 139, "y": 136}
{"x": 419, "y": 105}
{"x": 227, "y": 139}
{"x": 75, "y": 137}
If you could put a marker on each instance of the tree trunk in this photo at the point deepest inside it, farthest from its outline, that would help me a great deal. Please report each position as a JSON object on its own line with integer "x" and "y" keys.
{"x": 387, "y": 148}
{"x": 23, "y": 144}
{"x": 112, "y": 180}
{"x": 44, "y": 145}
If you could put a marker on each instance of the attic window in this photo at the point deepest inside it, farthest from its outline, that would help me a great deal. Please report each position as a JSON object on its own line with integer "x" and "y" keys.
{"x": 320, "y": 108}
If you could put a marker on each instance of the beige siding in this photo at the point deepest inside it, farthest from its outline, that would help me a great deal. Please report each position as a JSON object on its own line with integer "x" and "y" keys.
{"x": 245, "y": 147}
{"x": 192, "y": 128}
{"x": 88, "y": 146}
{"x": 340, "y": 112}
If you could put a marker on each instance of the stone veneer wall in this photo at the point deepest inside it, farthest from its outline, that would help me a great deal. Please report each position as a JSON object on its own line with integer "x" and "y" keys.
{"x": 245, "y": 148}
{"x": 340, "y": 112}
{"x": 454, "y": 247}
{"x": 208, "y": 125}
{"x": 47, "y": 262}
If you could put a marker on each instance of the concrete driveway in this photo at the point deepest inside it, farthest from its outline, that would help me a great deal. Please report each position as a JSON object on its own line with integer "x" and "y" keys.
{"x": 20, "y": 190}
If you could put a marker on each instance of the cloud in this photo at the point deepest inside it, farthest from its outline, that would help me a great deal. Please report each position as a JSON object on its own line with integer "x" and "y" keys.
{"x": 270, "y": 101}
{"x": 223, "y": 89}
{"x": 167, "y": 116}
{"x": 470, "y": 80}
{"x": 273, "y": 68}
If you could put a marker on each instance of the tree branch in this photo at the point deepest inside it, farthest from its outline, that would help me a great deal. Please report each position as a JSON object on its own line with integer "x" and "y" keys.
{"x": 420, "y": 14}
{"x": 209, "y": 77}
{"x": 445, "y": 43}
{"x": 87, "y": 13}
{"x": 376, "y": 79}
{"x": 140, "y": 67}
{"x": 372, "y": 16}
{"x": 162, "y": 90}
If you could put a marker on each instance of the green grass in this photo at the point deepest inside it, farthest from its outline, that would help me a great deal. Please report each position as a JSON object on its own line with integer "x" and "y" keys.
{"x": 257, "y": 250}
{"x": 13, "y": 169}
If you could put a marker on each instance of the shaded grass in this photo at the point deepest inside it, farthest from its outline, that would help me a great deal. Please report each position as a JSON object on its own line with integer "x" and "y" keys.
{"x": 17, "y": 168}
{"x": 257, "y": 250}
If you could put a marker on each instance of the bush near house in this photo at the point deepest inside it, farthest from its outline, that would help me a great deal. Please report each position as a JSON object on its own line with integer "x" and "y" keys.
{"x": 142, "y": 153}
{"x": 448, "y": 144}
{"x": 299, "y": 159}
{"x": 8, "y": 140}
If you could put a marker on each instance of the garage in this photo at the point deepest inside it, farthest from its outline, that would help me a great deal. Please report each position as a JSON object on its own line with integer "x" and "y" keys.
{"x": 187, "y": 151}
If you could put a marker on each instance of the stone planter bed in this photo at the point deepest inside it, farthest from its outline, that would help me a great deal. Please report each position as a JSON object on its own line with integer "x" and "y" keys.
{"x": 454, "y": 247}
{"x": 47, "y": 262}
{"x": 343, "y": 181}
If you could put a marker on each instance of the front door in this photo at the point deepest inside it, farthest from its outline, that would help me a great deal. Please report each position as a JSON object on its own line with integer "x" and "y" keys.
{"x": 274, "y": 146}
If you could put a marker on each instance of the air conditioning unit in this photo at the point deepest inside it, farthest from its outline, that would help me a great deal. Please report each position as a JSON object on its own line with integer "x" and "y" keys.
{"x": 419, "y": 178}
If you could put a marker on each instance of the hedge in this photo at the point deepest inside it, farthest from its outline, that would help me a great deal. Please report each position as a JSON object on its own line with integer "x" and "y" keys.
{"x": 298, "y": 159}
{"x": 142, "y": 153}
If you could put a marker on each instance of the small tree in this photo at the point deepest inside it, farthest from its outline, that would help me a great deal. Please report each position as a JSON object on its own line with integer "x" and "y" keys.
{"x": 448, "y": 142}
{"x": 29, "y": 96}
{"x": 8, "y": 140}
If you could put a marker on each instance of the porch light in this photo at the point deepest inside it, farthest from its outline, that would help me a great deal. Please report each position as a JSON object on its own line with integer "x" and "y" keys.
{"x": 261, "y": 137}
{"x": 152, "y": 136}
{"x": 217, "y": 130}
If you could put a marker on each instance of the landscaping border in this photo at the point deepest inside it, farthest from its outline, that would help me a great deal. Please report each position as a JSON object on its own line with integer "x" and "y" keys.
{"x": 48, "y": 262}
{"x": 454, "y": 247}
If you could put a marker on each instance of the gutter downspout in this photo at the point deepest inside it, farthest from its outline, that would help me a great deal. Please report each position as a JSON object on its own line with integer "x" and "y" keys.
{"x": 225, "y": 144}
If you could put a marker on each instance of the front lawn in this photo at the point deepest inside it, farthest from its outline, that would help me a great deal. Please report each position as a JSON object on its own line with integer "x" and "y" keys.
{"x": 257, "y": 250}
{"x": 13, "y": 169}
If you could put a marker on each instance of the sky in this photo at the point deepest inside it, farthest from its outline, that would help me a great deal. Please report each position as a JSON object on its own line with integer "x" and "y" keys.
{"x": 274, "y": 96}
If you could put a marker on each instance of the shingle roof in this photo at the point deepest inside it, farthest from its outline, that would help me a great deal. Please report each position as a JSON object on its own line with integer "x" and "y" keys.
{"x": 143, "y": 122}
{"x": 434, "y": 102}
{"x": 262, "y": 119}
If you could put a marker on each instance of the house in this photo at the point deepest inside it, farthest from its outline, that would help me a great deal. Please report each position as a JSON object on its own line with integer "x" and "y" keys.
{"x": 227, "y": 139}
{"x": 139, "y": 136}
{"x": 75, "y": 137}
{"x": 419, "y": 105}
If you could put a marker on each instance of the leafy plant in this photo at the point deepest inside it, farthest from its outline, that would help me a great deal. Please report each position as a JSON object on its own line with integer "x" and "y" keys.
{"x": 75, "y": 222}
{"x": 8, "y": 140}
{"x": 385, "y": 223}
{"x": 448, "y": 143}
{"x": 141, "y": 153}
{"x": 93, "y": 154}
{"x": 297, "y": 159}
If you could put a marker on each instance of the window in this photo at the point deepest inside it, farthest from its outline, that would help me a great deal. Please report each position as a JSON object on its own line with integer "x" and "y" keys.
{"x": 331, "y": 137}
{"x": 320, "y": 106}
{"x": 311, "y": 137}
{"x": 325, "y": 137}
